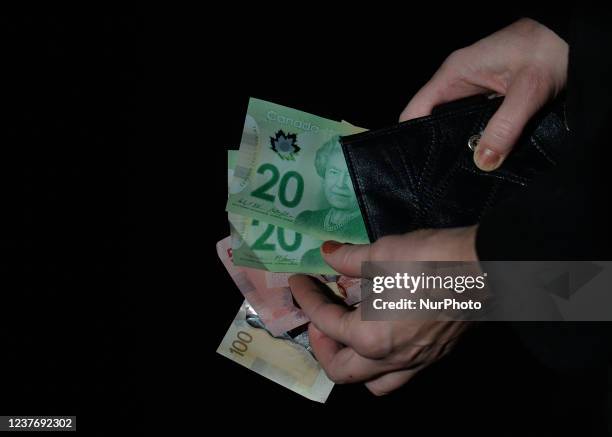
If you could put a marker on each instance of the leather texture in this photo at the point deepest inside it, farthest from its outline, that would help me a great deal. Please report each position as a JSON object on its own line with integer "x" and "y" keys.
{"x": 420, "y": 173}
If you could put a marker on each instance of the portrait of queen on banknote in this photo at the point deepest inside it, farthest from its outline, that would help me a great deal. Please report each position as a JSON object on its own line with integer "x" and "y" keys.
{"x": 341, "y": 216}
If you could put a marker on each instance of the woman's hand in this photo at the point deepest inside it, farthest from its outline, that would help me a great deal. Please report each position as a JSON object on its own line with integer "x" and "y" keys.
{"x": 384, "y": 355}
{"x": 525, "y": 61}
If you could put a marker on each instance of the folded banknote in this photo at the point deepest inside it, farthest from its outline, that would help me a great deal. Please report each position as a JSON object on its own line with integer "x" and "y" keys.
{"x": 281, "y": 360}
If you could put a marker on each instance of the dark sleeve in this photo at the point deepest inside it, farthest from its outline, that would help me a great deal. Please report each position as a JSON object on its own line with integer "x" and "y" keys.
{"x": 565, "y": 215}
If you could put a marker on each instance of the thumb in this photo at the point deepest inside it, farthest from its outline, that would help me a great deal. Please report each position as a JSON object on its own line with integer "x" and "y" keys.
{"x": 524, "y": 98}
{"x": 345, "y": 258}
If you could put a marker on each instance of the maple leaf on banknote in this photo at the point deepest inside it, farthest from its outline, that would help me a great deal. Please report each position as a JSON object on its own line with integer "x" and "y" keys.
{"x": 285, "y": 145}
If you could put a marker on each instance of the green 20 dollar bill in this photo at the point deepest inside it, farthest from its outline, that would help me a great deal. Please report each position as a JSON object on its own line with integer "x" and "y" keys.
{"x": 291, "y": 173}
{"x": 269, "y": 247}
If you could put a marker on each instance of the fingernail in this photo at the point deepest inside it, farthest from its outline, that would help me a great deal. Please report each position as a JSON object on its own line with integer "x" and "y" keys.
{"x": 330, "y": 246}
{"x": 487, "y": 159}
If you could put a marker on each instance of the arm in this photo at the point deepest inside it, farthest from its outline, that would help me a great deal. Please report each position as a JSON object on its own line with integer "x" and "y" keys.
{"x": 563, "y": 215}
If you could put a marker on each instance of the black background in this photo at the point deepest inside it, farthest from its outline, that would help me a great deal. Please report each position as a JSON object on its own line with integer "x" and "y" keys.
{"x": 365, "y": 70}
{"x": 68, "y": 124}
{"x": 109, "y": 307}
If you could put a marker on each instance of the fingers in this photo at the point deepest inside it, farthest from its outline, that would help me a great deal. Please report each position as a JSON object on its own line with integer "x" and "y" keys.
{"x": 389, "y": 382}
{"x": 371, "y": 340}
{"x": 345, "y": 258}
{"x": 342, "y": 364}
{"x": 525, "y": 96}
{"x": 423, "y": 101}
{"x": 332, "y": 319}
{"x": 438, "y": 90}
{"x": 446, "y": 85}
{"x": 350, "y": 350}
{"x": 323, "y": 347}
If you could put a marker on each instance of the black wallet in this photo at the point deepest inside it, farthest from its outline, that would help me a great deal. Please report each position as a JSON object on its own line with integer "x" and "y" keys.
{"x": 420, "y": 173}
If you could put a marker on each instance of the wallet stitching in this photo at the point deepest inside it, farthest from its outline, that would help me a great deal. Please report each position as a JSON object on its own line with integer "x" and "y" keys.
{"x": 431, "y": 119}
{"x": 490, "y": 198}
{"x": 411, "y": 182}
{"x": 403, "y": 176}
{"x": 504, "y": 177}
{"x": 433, "y": 193}
{"x": 411, "y": 187}
{"x": 427, "y": 123}
{"x": 439, "y": 192}
{"x": 426, "y": 167}
{"x": 457, "y": 164}
{"x": 536, "y": 141}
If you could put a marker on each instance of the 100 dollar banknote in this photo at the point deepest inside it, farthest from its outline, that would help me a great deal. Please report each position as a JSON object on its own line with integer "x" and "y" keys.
{"x": 280, "y": 360}
{"x": 265, "y": 246}
{"x": 291, "y": 172}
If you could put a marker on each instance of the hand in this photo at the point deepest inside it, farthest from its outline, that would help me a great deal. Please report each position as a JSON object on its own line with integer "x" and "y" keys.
{"x": 385, "y": 355}
{"x": 525, "y": 61}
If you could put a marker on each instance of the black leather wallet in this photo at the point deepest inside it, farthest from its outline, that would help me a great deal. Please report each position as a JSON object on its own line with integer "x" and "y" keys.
{"x": 420, "y": 173}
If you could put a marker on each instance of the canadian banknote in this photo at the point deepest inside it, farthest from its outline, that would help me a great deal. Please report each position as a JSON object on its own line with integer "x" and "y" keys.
{"x": 266, "y": 249}
{"x": 274, "y": 305}
{"x": 291, "y": 172}
{"x": 265, "y": 246}
{"x": 271, "y": 296}
{"x": 281, "y": 360}
{"x": 282, "y": 279}
{"x": 345, "y": 287}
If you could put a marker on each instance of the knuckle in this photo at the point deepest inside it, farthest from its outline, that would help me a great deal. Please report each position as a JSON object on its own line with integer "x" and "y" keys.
{"x": 458, "y": 65}
{"x": 527, "y": 23}
{"x": 379, "y": 251}
{"x": 374, "y": 343}
{"x": 412, "y": 357}
{"x": 332, "y": 374}
{"x": 335, "y": 376}
{"x": 455, "y": 57}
